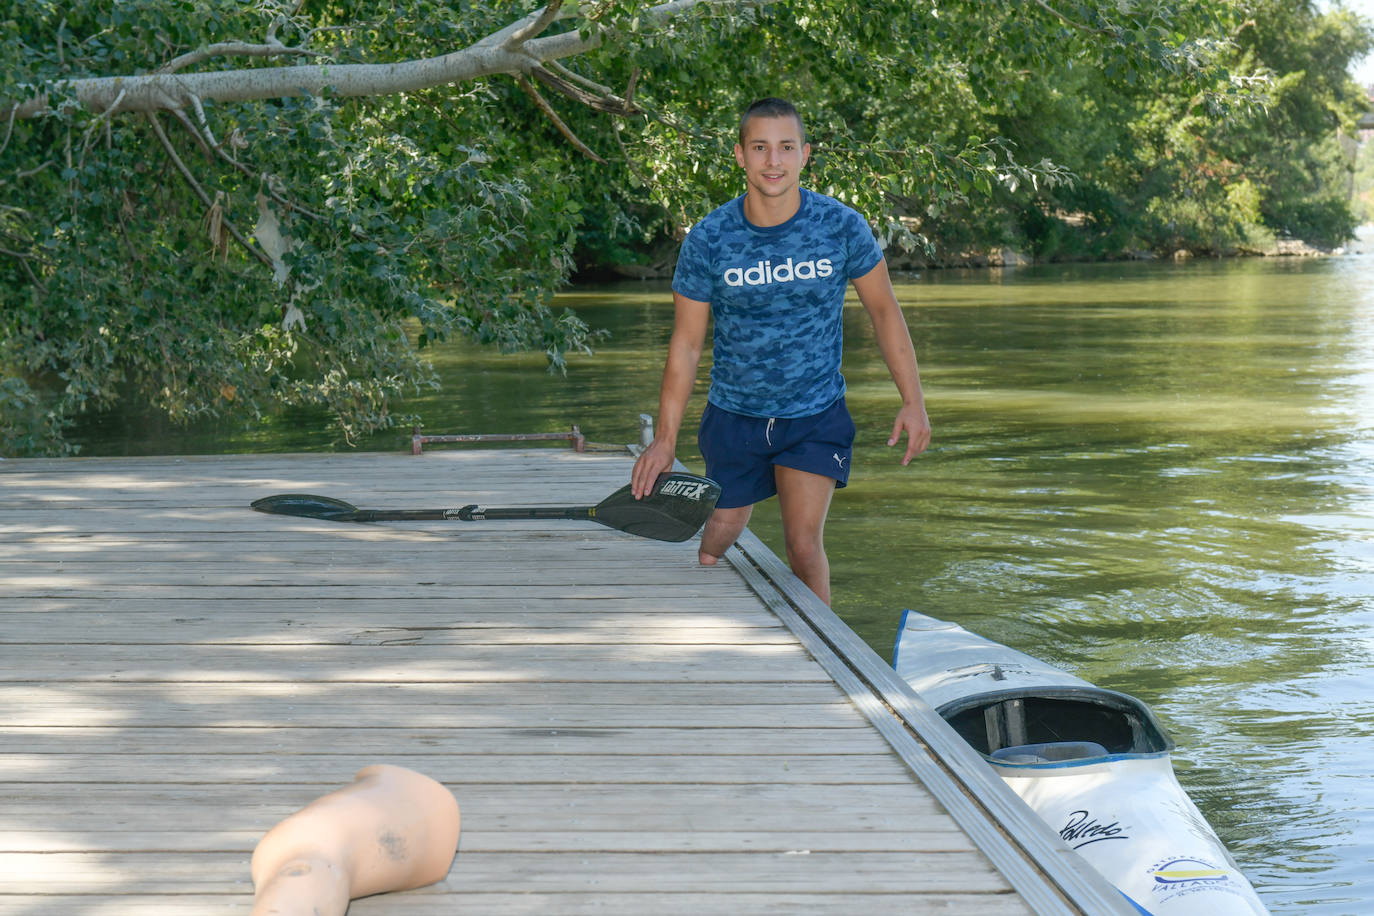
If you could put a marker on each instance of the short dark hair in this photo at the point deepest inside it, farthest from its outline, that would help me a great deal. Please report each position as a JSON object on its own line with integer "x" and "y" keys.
{"x": 771, "y": 108}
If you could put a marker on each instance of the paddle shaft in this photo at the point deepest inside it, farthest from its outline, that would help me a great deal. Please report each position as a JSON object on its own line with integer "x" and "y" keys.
{"x": 469, "y": 514}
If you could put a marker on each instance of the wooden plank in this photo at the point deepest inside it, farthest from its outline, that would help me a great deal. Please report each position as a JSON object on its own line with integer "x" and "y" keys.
{"x": 723, "y": 587}
{"x": 322, "y": 551}
{"x": 253, "y": 713}
{"x": 593, "y": 704}
{"x": 473, "y": 872}
{"x": 287, "y": 574}
{"x": 81, "y": 539}
{"x": 555, "y": 808}
{"x": 482, "y": 838}
{"x": 418, "y": 554}
{"x": 457, "y": 740}
{"x": 568, "y": 903}
{"x": 201, "y": 519}
{"x": 662, "y": 610}
{"x": 263, "y": 762}
{"x": 402, "y": 628}
{"x": 410, "y": 664}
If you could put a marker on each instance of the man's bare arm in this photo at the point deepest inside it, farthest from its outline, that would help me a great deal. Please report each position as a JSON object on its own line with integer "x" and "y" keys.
{"x": 894, "y": 343}
{"x": 690, "y": 319}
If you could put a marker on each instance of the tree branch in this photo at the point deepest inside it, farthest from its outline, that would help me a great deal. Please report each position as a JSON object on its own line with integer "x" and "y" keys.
{"x": 629, "y": 160}
{"x": 248, "y": 172}
{"x": 563, "y": 128}
{"x": 217, "y": 149}
{"x": 204, "y": 122}
{"x": 23, "y": 257}
{"x": 185, "y": 122}
{"x": 576, "y": 77}
{"x": 200, "y": 192}
{"x": 606, "y": 102}
{"x": 1091, "y": 30}
{"x": 96, "y": 124}
{"x": 163, "y": 91}
{"x": 9, "y": 130}
{"x": 535, "y": 25}
{"x": 29, "y": 173}
{"x": 272, "y": 48}
{"x": 24, "y": 262}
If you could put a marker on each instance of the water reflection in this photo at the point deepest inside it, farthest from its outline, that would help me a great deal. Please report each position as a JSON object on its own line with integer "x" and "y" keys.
{"x": 1158, "y": 476}
{"x": 1159, "y": 479}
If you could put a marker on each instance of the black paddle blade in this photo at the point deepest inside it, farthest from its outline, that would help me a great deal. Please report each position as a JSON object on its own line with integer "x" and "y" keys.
{"x": 674, "y": 510}
{"x": 326, "y": 507}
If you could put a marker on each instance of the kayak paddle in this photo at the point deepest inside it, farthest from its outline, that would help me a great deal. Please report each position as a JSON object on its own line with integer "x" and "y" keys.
{"x": 674, "y": 510}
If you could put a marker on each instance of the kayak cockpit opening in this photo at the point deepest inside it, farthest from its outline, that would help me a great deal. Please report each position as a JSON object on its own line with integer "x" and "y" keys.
{"x": 1063, "y": 723}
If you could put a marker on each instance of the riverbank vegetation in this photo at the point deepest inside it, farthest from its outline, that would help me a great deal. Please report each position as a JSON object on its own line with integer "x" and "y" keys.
{"x": 224, "y": 207}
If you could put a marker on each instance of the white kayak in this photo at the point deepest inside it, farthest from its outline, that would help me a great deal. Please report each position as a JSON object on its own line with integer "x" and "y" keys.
{"x": 1093, "y": 763}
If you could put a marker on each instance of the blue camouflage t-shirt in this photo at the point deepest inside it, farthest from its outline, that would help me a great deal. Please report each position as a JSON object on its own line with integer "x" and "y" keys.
{"x": 776, "y": 294}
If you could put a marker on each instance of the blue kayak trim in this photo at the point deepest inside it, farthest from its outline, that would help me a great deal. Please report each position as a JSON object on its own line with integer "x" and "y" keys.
{"x": 1136, "y": 905}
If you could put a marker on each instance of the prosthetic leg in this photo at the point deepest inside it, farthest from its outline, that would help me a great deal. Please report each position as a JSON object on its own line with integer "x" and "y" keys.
{"x": 392, "y": 829}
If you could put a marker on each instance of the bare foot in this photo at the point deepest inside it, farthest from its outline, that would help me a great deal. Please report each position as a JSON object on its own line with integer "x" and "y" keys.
{"x": 706, "y": 559}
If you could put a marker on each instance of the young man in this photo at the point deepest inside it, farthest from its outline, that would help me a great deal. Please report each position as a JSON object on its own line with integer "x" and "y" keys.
{"x": 772, "y": 267}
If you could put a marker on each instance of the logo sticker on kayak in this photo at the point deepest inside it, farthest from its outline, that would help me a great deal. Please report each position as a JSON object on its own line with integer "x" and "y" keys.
{"x": 1185, "y": 875}
{"x": 1187, "y": 871}
{"x": 1082, "y": 829}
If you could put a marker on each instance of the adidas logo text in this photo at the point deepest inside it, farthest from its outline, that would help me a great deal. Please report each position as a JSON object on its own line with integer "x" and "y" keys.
{"x": 764, "y": 272}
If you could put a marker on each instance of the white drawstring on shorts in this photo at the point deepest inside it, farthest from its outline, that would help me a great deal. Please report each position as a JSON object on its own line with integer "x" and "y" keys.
{"x": 768, "y": 433}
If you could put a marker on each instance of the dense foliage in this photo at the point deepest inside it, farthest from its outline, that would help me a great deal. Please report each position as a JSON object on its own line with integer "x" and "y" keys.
{"x": 1161, "y": 173}
{"x": 214, "y": 252}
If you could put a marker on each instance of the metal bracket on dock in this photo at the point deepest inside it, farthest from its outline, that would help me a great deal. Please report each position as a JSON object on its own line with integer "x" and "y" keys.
{"x": 574, "y": 438}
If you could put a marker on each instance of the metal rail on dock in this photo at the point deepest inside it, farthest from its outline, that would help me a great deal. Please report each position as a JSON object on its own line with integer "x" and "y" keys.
{"x": 574, "y": 437}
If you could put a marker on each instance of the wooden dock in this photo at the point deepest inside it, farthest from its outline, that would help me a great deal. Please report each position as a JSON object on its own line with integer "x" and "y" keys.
{"x": 626, "y": 732}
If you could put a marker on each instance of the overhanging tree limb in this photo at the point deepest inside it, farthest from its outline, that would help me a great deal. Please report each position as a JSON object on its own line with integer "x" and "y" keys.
{"x": 487, "y": 57}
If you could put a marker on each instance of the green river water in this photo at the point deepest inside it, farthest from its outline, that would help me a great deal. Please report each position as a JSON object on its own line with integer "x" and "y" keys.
{"x": 1158, "y": 476}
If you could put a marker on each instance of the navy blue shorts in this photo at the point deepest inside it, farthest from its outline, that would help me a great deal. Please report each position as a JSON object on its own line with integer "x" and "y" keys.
{"x": 740, "y": 450}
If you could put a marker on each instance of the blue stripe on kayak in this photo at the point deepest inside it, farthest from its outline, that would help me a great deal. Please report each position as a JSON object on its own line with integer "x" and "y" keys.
{"x": 897, "y": 646}
{"x": 1134, "y": 904}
